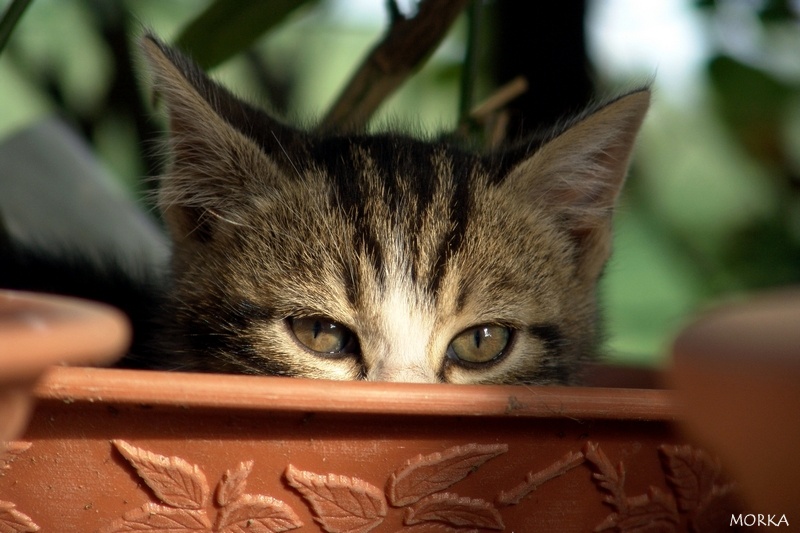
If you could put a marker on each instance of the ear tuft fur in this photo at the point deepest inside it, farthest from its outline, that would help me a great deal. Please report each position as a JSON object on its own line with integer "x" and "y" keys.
{"x": 579, "y": 173}
{"x": 210, "y": 158}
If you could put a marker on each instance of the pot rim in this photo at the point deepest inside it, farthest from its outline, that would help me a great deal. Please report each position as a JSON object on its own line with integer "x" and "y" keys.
{"x": 280, "y": 394}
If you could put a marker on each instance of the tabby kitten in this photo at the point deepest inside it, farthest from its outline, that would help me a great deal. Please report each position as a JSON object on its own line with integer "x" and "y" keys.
{"x": 381, "y": 257}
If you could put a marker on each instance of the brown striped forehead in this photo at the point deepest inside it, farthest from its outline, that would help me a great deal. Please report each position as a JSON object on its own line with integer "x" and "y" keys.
{"x": 366, "y": 207}
{"x": 407, "y": 200}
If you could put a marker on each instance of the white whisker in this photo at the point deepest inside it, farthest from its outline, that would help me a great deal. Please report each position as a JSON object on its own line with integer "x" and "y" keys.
{"x": 296, "y": 171}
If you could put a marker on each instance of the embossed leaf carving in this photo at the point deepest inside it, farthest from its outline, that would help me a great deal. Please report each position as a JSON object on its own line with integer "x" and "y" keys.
{"x": 454, "y": 510}
{"x": 608, "y": 477}
{"x": 535, "y": 479}
{"x": 9, "y": 451}
{"x": 425, "y": 475}
{"x": 691, "y": 472}
{"x": 233, "y": 483}
{"x": 173, "y": 480}
{"x": 12, "y": 521}
{"x": 429, "y": 527}
{"x": 694, "y": 476}
{"x": 654, "y": 512}
{"x": 340, "y": 504}
{"x": 160, "y": 519}
{"x": 257, "y": 514}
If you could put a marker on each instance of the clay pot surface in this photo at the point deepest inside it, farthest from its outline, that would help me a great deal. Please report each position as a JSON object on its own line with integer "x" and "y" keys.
{"x": 738, "y": 371}
{"x": 37, "y": 331}
{"x": 119, "y": 450}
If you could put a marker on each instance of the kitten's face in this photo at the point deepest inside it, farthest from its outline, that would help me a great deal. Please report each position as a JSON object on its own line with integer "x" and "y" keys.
{"x": 383, "y": 257}
{"x": 386, "y": 259}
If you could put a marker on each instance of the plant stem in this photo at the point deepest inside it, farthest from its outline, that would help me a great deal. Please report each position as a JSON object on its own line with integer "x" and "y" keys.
{"x": 10, "y": 17}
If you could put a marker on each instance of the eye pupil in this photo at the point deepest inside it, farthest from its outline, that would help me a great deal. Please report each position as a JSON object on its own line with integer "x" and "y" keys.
{"x": 479, "y": 333}
{"x": 479, "y": 344}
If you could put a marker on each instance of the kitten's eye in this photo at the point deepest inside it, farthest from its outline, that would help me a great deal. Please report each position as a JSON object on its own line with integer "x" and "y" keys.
{"x": 479, "y": 344}
{"x": 323, "y": 336}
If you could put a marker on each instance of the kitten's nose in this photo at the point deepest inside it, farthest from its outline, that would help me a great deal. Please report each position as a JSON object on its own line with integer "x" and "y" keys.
{"x": 400, "y": 374}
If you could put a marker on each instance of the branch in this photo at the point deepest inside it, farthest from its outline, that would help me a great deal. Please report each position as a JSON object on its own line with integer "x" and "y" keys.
{"x": 498, "y": 99}
{"x": 407, "y": 44}
{"x": 10, "y": 18}
{"x": 488, "y": 119}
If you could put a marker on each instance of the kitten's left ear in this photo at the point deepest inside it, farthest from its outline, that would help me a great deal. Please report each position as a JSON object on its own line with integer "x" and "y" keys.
{"x": 580, "y": 172}
{"x": 214, "y": 158}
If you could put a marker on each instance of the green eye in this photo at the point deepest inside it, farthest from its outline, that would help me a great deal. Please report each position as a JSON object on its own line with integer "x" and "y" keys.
{"x": 479, "y": 344}
{"x": 323, "y": 336}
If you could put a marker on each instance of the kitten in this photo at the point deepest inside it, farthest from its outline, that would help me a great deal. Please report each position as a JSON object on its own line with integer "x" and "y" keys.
{"x": 380, "y": 257}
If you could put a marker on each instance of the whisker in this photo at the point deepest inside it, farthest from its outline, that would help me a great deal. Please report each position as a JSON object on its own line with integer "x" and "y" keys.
{"x": 296, "y": 171}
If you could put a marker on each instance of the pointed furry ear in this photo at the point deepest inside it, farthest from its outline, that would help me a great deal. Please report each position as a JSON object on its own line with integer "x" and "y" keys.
{"x": 210, "y": 157}
{"x": 579, "y": 173}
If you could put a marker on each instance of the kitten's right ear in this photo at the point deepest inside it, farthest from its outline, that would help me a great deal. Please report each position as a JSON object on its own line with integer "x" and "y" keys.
{"x": 578, "y": 174}
{"x": 211, "y": 160}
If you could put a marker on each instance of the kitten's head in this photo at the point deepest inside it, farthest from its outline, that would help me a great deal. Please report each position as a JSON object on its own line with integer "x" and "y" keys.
{"x": 383, "y": 257}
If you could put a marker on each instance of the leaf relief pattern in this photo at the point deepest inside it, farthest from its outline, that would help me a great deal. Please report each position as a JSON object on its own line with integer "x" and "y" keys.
{"x": 429, "y": 527}
{"x": 12, "y": 520}
{"x": 154, "y": 517}
{"x": 535, "y": 479}
{"x": 256, "y": 513}
{"x": 454, "y": 510}
{"x": 340, "y": 504}
{"x": 425, "y": 475}
{"x": 9, "y": 452}
{"x": 344, "y": 504}
{"x": 696, "y": 497}
{"x": 174, "y": 481}
{"x": 653, "y": 512}
{"x": 696, "y": 479}
{"x": 233, "y": 483}
{"x": 183, "y": 493}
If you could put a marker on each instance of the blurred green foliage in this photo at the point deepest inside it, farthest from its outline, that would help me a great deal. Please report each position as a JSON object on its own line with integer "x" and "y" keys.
{"x": 228, "y": 27}
{"x": 712, "y": 209}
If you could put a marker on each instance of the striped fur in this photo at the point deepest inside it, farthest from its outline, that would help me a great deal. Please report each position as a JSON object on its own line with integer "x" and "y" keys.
{"x": 406, "y": 242}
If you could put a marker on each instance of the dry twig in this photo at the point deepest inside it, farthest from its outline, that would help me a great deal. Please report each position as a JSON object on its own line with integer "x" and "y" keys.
{"x": 406, "y": 45}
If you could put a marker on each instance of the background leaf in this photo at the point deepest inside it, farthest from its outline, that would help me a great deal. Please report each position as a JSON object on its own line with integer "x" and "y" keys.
{"x": 228, "y": 27}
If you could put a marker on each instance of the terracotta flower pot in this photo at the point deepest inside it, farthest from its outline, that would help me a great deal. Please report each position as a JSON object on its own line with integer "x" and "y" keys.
{"x": 118, "y": 451}
{"x": 738, "y": 371}
{"x": 113, "y": 450}
{"x": 37, "y": 331}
